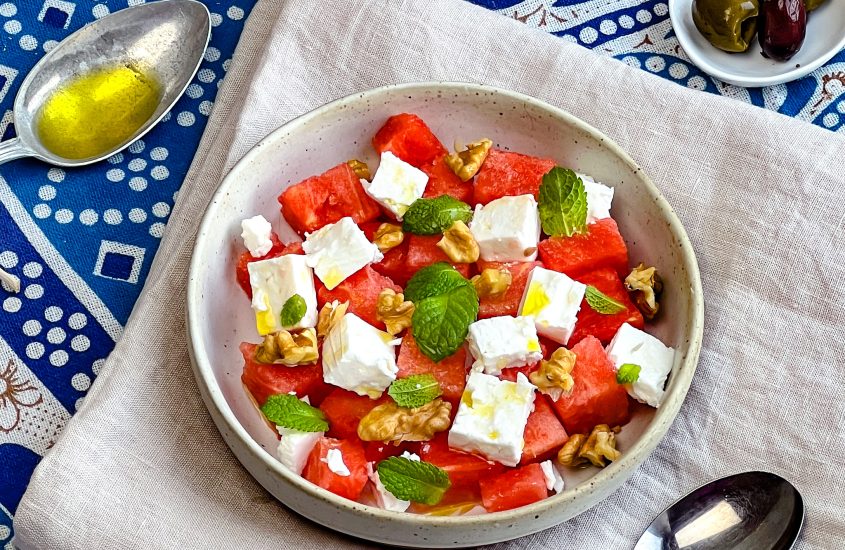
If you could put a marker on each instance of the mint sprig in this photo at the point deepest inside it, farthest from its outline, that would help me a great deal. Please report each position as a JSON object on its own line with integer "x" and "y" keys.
{"x": 433, "y": 280}
{"x": 414, "y": 391}
{"x": 293, "y": 310}
{"x": 433, "y": 216}
{"x": 601, "y": 302}
{"x": 628, "y": 373}
{"x": 413, "y": 480}
{"x": 562, "y": 203}
{"x": 288, "y": 411}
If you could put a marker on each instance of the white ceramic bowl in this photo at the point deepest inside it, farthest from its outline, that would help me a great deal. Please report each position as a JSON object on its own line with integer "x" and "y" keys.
{"x": 825, "y": 37}
{"x": 219, "y": 316}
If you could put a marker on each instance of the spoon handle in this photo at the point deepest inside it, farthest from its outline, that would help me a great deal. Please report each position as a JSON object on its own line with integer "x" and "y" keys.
{"x": 12, "y": 149}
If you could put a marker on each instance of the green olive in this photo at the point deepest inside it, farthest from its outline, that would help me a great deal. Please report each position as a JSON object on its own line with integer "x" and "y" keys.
{"x": 813, "y": 4}
{"x": 727, "y": 24}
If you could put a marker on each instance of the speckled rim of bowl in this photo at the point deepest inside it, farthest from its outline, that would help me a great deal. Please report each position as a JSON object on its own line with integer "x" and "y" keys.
{"x": 663, "y": 418}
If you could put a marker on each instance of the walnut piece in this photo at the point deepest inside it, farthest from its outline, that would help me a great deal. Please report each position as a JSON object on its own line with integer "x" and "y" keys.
{"x": 360, "y": 168}
{"x": 394, "y": 311}
{"x": 459, "y": 244}
{"x": 492, "y": 282}
{"x": 554, "y": 376}
{"x": 329, "y": 316}
{"x": 391, "y": 423}
{"x": 596, "y": 448}
{"x": 288, "y": 348}
{"x": 645, "y": 286}
{"x": 465, "y": 164}
{"x": 388, "y": 236}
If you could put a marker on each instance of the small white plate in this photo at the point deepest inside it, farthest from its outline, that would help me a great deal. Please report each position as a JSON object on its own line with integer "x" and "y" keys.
{"x": 825, "y": 37}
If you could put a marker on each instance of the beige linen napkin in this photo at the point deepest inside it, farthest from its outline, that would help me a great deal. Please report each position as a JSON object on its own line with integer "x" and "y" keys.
{"x": 142, "y": 466}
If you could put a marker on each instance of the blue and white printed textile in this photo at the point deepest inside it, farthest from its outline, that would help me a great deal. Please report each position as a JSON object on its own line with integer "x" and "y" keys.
{"x": 82, "y": 241}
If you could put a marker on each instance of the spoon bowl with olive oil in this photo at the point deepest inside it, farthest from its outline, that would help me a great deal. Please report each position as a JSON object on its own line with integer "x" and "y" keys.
{"x": 108, "y": 84}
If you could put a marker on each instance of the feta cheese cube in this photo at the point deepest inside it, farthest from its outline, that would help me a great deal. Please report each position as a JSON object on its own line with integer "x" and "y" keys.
{"x": 338, "y": 250}
{"x": 334, "y": 460}
{"x": 492, "y": 416}
{"x": 396, "y": 184}
{"x": 599, "y": 198}
{"x": 358, "y": 357}
{"x": 552, "y": 300}
{"x": 554, "y": 481}
{"x": 295, "y": 446}
{"x": 384, "y": 498}
{"x": 631, "y": 345}
{"x": 507, "y": 229}
{"x": 501, "y": 342}
{"x": 256, "y": 233}
{"x": 273, "y": 283}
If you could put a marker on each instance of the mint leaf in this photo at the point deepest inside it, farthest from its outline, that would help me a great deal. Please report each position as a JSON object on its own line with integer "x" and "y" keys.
{"x": 563, "y": 203}
{"x": 440, "y": 323}
{"x": 601, "y": 302}
{"x": 432, "y": 280}
{"x": 433, "y": 216}
{"x": 293, "y": 311}
{"x": 413, "y": 480}
{"x": 414, "y": 391}
{"x": 628, "y": 373}
{"x": 288, "y": 411}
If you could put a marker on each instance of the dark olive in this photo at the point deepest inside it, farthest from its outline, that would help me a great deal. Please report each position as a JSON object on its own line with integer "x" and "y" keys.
{"x": 727, "y": 24}
{"x": 783, "y": 24}
{"x": 813, "y": 4}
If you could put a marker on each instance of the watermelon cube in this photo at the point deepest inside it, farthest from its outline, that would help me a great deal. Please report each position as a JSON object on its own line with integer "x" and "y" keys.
{"x": 514, "y": 488}
{"x": 544, "y": 435}
{"x": 393, "y": 264}
{"x": 507, "y": 303}
{"x": 442, "y": 181}
{"x": 423, "y": 251}
{"x": 318, "y": 472}
{"x": 361, "y": 290}
{"x": 464, "y": 469}
{"x": 451, "y": 372}
{"x": 262, "y": 380}
{"x": 601, "y": 246}
{"x": 604, "y": 327}
{"x": 596, "y": 397}
{"x": 279, "y": 249}
{"x": 507, "y": 174}
{"x": 344, "y": 411}
{"x": 324, "y": 199}
{"x": 409, "y": 138}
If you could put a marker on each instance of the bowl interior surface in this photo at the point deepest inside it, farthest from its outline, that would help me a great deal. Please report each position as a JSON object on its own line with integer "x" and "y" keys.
{"x": 825, "y": 37}
{"x": 220, "y": 316}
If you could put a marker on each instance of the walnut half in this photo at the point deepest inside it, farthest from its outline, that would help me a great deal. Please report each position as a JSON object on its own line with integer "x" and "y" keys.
{"x": 596, "y": 448}
{"x": 465, "y": 164}
{"x": 554, "y": 376}
{"x": 388, "y": 236}
{"x": 394, "y": 311}
{"x": 288, "y": 348}
{"x": 459, "y": 244}
{"x": 492, "y": 282}
{"x": 645, "y": 286}
{"x": 329, "y": 316}
{"x": 391, "y": 423}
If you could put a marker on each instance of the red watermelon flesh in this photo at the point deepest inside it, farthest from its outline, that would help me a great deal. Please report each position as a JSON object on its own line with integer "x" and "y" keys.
{"x": 361, "y": 290}
{"x": 604, "y": 327}
{"x": 442, "y": 181}
{"x": 263, "y": 380}
{"x": 507, "y": 303}
{"x": 409, "y": 138}
{"x": 393, "y": 265}
{"x": 513, "y": 488}
{"x": 423, "y": 251}
{"x": 601, "y": 246}
{"x": 544, "y": 434}
{"x": 324, "y": 199}
{"x": 596, "y": 397}
{"x": 507, "y": 174}
{"x": 317, "y": 470}
{"x": 451, "y": 372}
{"x": 345, "y": 409}
{"x": 464, "y": 469}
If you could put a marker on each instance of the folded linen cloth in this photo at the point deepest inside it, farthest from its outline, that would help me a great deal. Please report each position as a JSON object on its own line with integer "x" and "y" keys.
{"x": 761, "y": 195}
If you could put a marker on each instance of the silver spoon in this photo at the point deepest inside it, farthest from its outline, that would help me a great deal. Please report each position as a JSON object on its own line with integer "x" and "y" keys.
{"x": 748, "y": 511}
{"x": 165, "y": 39}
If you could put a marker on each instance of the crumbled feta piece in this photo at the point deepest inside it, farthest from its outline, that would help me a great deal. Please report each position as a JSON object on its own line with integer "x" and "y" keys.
{"x": 501, "y": 342}
{"x": 396, "y": 184}
{"x": 554, "y": 481}
{"x": 631, "y": 345}
{"x": 599, "y": 198}
{"x": 256, "y": 232}
{"x": 358, "y": 357}
{"x": 338, "y": 250}
{"x": 334, "y": 460}
{"x": 384, "y": 498}
{"x": 295, "y": 446}
{"x": 552, "y": 300}
{"x": 507, "y": 229}
{"x": 491, "y": 417}
{"x": 410, "y": 456}
{"x": 273, "y": 283}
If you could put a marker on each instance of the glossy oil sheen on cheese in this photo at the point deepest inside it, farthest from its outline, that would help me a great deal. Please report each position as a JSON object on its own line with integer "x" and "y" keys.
{"x": 96, "y": 112}
{"x": 501, "y": 342}
{"x": 553, "y": 301}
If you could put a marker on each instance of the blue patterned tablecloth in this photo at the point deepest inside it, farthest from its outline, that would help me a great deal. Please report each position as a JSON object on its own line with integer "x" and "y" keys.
{"x": 82, "y": 241}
